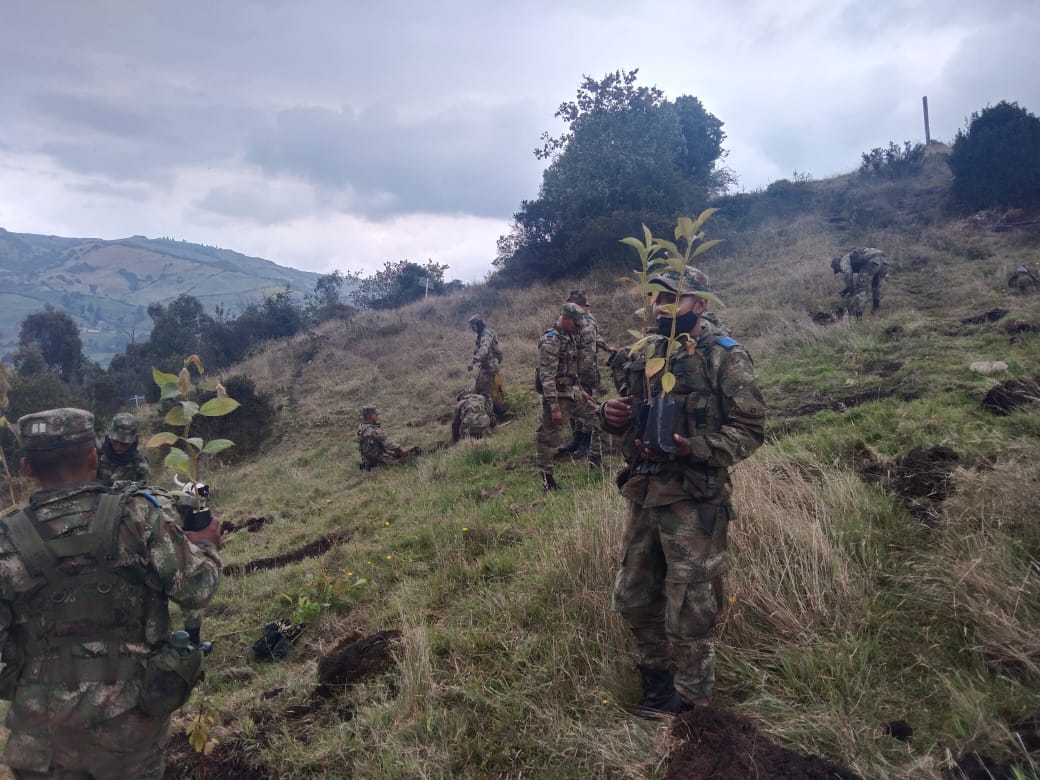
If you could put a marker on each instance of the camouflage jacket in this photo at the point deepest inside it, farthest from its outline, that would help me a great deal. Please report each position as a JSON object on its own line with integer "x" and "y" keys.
{"x": 861, "y": 260}
{"x": 156, "y": 560}
{"x": 590, "y": 343}
{"x": 562, "y": 362}
{"x": 373, "y": 443}
{"x": 723, "y": 411}
{"x": 131, "y": 467}
{"x": 472, "y": 415}
{"x": 486, "y": 352}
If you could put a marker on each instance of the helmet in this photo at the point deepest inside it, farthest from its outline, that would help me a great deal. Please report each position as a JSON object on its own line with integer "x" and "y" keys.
{"x": 123, "y": 428}
{"x": 692, "y": 280}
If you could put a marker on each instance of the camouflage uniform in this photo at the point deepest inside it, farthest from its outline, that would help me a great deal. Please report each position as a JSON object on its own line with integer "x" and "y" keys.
{"x": 472, "y": 416}
{"x": 129, "y": 466}
{"x": 1023, "y": 280}
{"x": 75, "y": 667}
{"x": 668, "y": 588}
{"x": 562, "y": 370}
{"x": 376, "y": 448}
{"x": 487, "y": 358}
{"x": 862, "y": 267}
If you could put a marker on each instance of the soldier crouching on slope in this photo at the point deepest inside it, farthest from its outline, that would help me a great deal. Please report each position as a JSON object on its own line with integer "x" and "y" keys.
{"x": 861, "y": 268}
{"x": 86, "y": 577}
{"x": 668, "y": 587}
{"x": 472, "y": 417}
{"x": 377, "y": 449}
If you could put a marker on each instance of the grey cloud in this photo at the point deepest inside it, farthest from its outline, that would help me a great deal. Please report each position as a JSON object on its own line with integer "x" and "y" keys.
{"x": 469, "y": 158}
{"x": 258, "y": 205}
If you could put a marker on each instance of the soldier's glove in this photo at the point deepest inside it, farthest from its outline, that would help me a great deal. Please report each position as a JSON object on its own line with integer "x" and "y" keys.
{"x": 279, "y": 635}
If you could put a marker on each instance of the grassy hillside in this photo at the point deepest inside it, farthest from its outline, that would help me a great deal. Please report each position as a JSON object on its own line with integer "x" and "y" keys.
{"x": 886, "y": 559}
{"x": 106, "y": 286}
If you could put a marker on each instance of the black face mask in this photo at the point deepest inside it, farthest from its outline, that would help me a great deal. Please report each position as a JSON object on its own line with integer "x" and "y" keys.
{"x": 684, "y": 323}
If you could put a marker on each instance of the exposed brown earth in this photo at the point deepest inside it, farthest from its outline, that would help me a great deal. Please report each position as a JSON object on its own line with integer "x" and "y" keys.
{"x": 716, "y": 744}
{"x": 1013, "y": 394}
{"x": 309, "y": 550}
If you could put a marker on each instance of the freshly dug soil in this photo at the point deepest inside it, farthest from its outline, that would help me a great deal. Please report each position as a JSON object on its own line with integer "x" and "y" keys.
{"x": 1010, "y": 395}
{"x": 721, "y": 745}
{"x": 309, "y": 550}
{"x": 224, "y": 763}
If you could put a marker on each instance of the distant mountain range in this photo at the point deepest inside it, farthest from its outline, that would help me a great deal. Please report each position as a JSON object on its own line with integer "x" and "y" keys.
{"x": 106, "y": 286}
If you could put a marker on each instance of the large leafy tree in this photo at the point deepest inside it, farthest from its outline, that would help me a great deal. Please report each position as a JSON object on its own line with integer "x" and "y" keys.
{"x": 53, "y": 337}
{"x": 996, "y": 159}
{"x": 628, "y": 156}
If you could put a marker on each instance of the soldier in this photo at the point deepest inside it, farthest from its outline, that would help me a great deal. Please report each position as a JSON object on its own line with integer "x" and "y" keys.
{"x": 591, "y": 343}
{"x": 377, "y": 449}
{"x": 487, "y": 358}
{"x": 120, "y": 460}
{"x": 472, "y": 418}
{"x": 862, "y": 267}
{"x": 560, "y": 364}
{"x": 86, "y": 576}
{"x": 1023, "y": 280}
{"x": 668, "y": 588}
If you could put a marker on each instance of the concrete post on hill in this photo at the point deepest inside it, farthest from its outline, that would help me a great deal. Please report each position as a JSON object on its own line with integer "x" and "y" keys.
{"x": 927, "y": 132}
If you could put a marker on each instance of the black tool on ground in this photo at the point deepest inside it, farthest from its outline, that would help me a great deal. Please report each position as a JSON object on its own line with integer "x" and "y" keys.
{"x": 279, "y": 635}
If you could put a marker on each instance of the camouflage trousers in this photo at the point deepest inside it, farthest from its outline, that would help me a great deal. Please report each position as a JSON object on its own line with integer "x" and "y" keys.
{"x": 668, "y": 588}
{"x": 484, "y": 382}
{"x": 856, "y": 299}
{"x": 547, "y": 438}
{"x": 128, "y": 747}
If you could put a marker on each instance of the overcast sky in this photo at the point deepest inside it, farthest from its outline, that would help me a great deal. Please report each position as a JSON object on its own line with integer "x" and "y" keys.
{"x": 330, "y": 134}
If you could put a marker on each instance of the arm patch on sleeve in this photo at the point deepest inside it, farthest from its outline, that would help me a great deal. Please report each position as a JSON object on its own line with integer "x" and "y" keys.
{"x": 727, "y": 343}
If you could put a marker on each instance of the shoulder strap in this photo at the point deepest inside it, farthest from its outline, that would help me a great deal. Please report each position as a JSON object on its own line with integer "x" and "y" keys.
{"x": 30, "y": 545}
{"x": 106, "y": 523}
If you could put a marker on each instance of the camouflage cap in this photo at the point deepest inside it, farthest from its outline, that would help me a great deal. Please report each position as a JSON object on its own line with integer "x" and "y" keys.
{"x": 578, "y": 296}
{"x": 123, "y": 428}
{"x": 476, "y": 319}
{"x": 55, "y": 428}
{"x": 573, "y": 311}
{"x": 367, "y": 410}
{"x": 694, "y": 282}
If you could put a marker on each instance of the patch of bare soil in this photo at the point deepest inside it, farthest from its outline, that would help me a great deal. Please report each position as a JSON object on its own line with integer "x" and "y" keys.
{"x": 989, "y": 316}
{"x": 224, "y": 763}
{"x": 719, "y": 745}
{"x": 978, "y": 766}
{"x": 251, "y": 524}
{"x": 309, "y": 550}
{"x": 812, "y": 405}
{"x": 1018, "y": 325}
{"x": 921, "y": 478}
{"x": 1013, "y": 394}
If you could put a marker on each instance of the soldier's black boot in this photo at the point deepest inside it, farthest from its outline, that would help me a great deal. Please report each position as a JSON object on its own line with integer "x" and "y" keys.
{"x": 568, "y": 448}
{"x": 585, "y": 439}
{"x": 499, "y": 409}
{"x": 548, "y": 482}
{"x": 659, "y": 695}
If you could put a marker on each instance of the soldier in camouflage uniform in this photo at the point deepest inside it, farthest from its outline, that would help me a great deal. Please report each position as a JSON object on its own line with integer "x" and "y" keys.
{"x": 668, "y": 588}
{"x": 562, "y": 372}
{"x": 120, "y": 460}
{"x": 863, "y": 267}
{"x": 377, "y": 449}
{"x": 1024, "y": 280}
{"x": 86, "y": 577}
{"x": 472, "y": 418}
{"x": 591, "y": 344}
{"x": 487, "y": 359}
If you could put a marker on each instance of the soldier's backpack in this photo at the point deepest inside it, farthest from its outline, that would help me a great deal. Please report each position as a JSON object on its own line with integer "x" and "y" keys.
{"x": 370, "y": 448}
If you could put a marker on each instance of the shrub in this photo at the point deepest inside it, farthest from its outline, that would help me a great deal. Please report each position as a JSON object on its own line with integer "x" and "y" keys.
{"x": 893, "y": 162}
{"x": 995, "y": 159}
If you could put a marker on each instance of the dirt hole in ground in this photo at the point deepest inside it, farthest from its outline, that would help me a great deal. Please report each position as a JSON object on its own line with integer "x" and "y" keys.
{"x": 990, "y": 316}
{"x": 978, "y": 766}
{"x": 1013, "y": 394}
{"x": 812, "y": 405}
{"x": 922, "y": 479}
{"x": 309, "y": 550}
{"x": 251, "y": 524}
{"x": 716, "y": 744}
{"x": 224, "y": 763}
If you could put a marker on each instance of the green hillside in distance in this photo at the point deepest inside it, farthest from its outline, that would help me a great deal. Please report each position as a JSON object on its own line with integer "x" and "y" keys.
{"x": 106, "y": 286}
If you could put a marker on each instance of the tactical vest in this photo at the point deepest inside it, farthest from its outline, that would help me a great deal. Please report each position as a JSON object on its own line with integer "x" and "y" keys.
{"x": 81, "y": 594}
{"x": 370, "y": 448}
{"x": 696, "y": 382}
